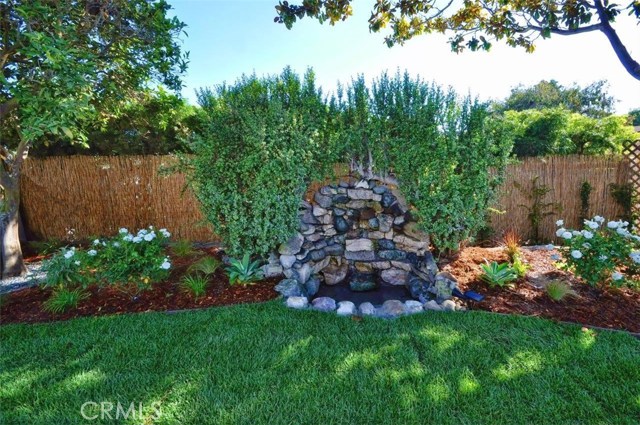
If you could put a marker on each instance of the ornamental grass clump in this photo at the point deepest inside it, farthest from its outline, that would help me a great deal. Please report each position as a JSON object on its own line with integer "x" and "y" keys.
{"x": 602, "y": 253}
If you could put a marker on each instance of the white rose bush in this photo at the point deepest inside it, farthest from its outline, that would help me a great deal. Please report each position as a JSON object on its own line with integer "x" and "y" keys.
{"x": 126, "y": 258}
{"x": 602, "y": 253}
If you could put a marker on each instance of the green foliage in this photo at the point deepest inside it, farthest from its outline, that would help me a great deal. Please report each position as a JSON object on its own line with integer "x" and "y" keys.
{"x": 183, "y": 248}
{"x": 494, "y": 274}
{"x": 46, "y": 247}
{"x": 603, "y": 253}
{"x": 62, "y": 299}
{"x": 585, "y": 193}
{"x": 243, "y": 272}
{"x": 195, "y": 284}
{"x": 624, "y": 195}
{"x": 634, "y": 117}
{"x": 265, "y": 139}
{"x": 558, "y": 290}
{"x": 207, "y": 266}
{"x": 592, "y": 100}
{"x": 538, "y": 209}
{"x": 126, "y": 258}
{"x": 440, "y": 147}
{"x": 519, "y": 266}
{"x": 559, "y": 132}
{"x": 475, "y": 25}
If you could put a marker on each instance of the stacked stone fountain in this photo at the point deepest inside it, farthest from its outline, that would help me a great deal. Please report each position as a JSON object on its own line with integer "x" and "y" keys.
{"x": 361, "y": 232}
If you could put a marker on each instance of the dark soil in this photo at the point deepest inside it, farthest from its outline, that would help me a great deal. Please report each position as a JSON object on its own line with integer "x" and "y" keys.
{"x": 615, "y": 308}
{"x": 26, "y": 305}
{"x": 608, "y": 308}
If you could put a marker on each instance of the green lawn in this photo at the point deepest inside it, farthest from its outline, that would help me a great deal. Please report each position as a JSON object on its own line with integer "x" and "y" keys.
{"x": 265, "y": 364}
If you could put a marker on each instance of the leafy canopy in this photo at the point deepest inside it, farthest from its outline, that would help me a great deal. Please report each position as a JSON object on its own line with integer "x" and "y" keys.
{"x": 476, "y": 24}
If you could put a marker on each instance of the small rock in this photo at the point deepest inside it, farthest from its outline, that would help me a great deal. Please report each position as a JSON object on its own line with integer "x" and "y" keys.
{"x": 323, "y": 200}
{"x": 379, "y": 190}
{"x": 291, "y": 288}
{"x": 413, "y": 306}
{"x": 356, "y": 205}
{"x": 316, "y": 268}
{"x": 312, "y": 285}
{"x": 324, "y": 304}
{"x": 363, "y": 194}
{"x": 432, "y": 305}
{"x": 386, "y": 221}
{"x": 363, "y": 267}
{"x": 386, "y": 244}
{"x": 270, "y": 270}
{"x": 387, "y": 200}
{"x": 393, "y": 255}
{"x": 297, "y": 302}
{"x": 391, "y": 308}
{"x": 308, "y": 218}
{"x": 334, "y": 274}
{"x": 336, "y": 250}
{"x": 341, "y": 225}
{"x": 308, "y": 229}
{"x": 318, "y": 211}
{"x": 346, "y": 308}
{"x": 362, "y": 184}
{"x": 448, "y": 305}
{"x": 381, "y": 265}
{"x": 394, "y": 276}
{"x": 354, "y": 245}
{"x": 328, "y": 190}
{"x": 373, "y": 223}
{"x": 303, "y": 273}
{"x": 340, "y": 199}
{"x": 400, "y": 265}
{"x": 292, "y": 246}
{"x": 339, "y": 211}
{"x": 362, "y": 283}
{"x": 360, "y": 256}
{"x": 367, "y": 309}
{"x": 317, "y": 255}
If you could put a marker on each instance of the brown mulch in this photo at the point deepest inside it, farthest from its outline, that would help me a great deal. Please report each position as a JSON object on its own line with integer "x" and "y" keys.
{"x": 614, "y": 308}
{"x": 25, "y": 306}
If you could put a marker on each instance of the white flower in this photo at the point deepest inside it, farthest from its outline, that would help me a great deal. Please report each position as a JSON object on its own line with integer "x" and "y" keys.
{"x": 635, "y": 256}
{"x": 591, "y": 224}
{"x": 142, "y": 232}
{"x": 92, "y": 252}
{"x": 560, "y": 231}
{"x": 150, "y": 227}
{"x": 123, "y": 231}
{"x": 137, "y": 239}
{"x": 586, "y": 245}
{"x": 616, "y": 276}
{"x": 587, "y": 234}
{"x": 116, "y": 244}
{"x": 567, "y": 235}
{"x": 128, "y": 238}
{"x": 599, "y": 219}
{"x": 69, "y": 254}
{"x": 166, "y": 265}
{"x": 149, "y": 237}
{"x": 602, "y": 258}
{"x": 77, "y": 263}
{"x": 559, "y": 223}
{"x": 576, "y": 254}
{"x": 96, "y": 242}
{"x": 575, "y": 233}
{"x": 613, "y": 224}
{"x": 165, "y": 233}
{"x": 624, "y": 223}
{"x": 550, "y": 247}
{"x": 623, "y": 232}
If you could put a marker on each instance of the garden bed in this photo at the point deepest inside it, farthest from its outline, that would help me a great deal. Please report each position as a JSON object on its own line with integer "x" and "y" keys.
{"x": 612, "y": 308}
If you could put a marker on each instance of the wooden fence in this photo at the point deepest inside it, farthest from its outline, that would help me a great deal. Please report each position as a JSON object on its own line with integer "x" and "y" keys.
{"x": 82, "y": 196}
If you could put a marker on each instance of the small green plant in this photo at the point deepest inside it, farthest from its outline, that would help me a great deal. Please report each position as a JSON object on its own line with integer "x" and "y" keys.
{"x": 63, "y": 299}
{"x": 46, "y": 247}
{"x": 538, "y": 209}
{"x": 511, "y": 244}
{"x": 206, "y": 266}
{"x": 67, "y": 268}
{"x": 183, "y": 248}
{"x": 196, "y": 284}
{"x": 494, "y": 274}
{"x": 558, "y": 290}
{"x": 624, "y": 196}
{"x": 519, "y": 266}
{"x": 243, "y": 272}
{"x": 585, "y": 193}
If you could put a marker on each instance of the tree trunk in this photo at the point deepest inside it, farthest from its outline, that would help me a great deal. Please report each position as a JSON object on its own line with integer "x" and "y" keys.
{"x": 12, "y": 261}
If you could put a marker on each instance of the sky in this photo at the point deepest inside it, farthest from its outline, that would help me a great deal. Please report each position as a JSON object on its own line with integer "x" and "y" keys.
{"x": 228, "y": 38}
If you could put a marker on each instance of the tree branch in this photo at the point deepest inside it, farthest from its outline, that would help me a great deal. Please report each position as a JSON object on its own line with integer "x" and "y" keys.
{"x": 560, "y": 31}
{"x": 625, "y": 58}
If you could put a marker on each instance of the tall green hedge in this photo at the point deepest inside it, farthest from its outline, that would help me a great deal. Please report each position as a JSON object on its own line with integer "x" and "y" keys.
{"x": 266, "y": 139}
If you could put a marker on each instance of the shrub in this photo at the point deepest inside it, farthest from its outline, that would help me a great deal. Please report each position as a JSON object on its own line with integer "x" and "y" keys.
{"x": 519, "y": 266}
{"x": 243, "y": 272}
{"x": 511, "y": 244}
{"x": 206, "y": 266}
{"x": 195, "y": 284}
{"x": 265, "y": 139}
{"x": 125, "y": 258}
{"x": 558, "y": 290}
{"x": 602, "y": 253}
{"x": 63, "y": 299}
{"x": 183, "y": 248}
{"x": 494, "y": 274}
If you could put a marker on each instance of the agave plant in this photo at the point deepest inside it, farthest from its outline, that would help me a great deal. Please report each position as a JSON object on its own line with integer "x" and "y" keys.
{"x": 495, "y": 274}
{"x": 243, "y": 272}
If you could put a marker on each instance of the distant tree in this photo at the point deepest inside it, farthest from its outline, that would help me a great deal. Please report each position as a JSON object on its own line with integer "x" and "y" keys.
{"x": 65, "y": 63}
{"x": 592, "y": 100}
{"x": 634, "y": 116}
{"x": 476, "y": 24}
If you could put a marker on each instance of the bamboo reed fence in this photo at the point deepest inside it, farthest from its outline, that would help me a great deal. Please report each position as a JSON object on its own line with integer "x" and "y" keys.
{"x": 78, "y": 197}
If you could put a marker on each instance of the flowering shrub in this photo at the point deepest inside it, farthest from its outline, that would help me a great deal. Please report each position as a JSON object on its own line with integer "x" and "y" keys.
{"x": 602, "y": 253}
{"x": 125, "y": 258}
